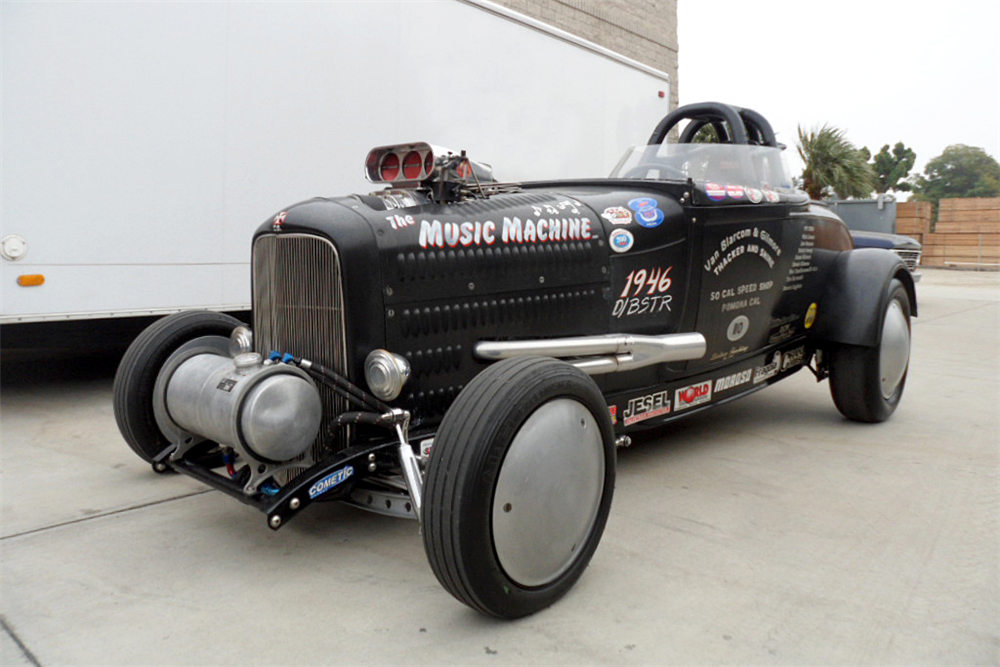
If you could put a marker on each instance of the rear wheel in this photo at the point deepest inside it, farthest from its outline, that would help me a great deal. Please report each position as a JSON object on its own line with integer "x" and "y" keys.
{"x": 139, "y": 368}
{"x": 867, "y": 382}
{"x": 519, "y": 486}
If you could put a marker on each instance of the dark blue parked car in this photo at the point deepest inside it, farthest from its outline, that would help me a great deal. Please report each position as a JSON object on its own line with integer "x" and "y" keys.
{"x": 908, "y": 249}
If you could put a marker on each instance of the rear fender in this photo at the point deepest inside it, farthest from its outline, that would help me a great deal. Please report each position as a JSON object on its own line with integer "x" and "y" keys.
{"x": 856, "y": 294}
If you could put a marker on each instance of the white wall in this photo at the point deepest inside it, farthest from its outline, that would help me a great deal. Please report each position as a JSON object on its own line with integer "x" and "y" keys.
{"x": 143, "y": 142}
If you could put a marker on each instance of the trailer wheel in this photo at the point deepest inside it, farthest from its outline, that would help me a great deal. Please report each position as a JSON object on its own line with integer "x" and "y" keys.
{"x": 137, "y": 372}
{"x": 867, "y": 382}
{"x": 519, "y": 486}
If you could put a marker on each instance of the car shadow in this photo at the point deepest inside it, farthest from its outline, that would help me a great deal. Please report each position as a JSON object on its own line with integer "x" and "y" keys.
{"x": 27, "y": 369}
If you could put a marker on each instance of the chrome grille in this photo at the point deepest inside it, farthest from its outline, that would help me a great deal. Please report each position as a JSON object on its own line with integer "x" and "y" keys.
{"x": 298, "y": 307}
{"x": 910, "y": 257}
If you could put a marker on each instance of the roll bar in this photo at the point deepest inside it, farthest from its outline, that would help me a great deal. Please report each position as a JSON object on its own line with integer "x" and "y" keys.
{"x": 733, "y": 125}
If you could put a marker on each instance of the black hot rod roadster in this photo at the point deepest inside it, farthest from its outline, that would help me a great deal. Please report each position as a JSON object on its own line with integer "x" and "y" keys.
{"x": 470, "y": 352}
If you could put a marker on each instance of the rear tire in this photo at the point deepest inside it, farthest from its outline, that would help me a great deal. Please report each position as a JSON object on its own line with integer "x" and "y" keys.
{"x": 519, "y": 486}
{"x": 137, "y": 372}
{"x": 867, "y": 382}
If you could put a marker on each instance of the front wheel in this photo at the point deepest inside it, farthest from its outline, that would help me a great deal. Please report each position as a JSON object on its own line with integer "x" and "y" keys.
{"x": 141, "y": 365}
{"x": 867, "y": 382}
{"x": 519, "y": 486}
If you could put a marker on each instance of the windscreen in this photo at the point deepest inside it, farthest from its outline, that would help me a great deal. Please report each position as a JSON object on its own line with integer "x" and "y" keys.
{"x": 750, "y": 166}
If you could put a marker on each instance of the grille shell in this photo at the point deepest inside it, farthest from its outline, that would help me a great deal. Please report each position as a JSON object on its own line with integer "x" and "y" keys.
{"x": 298, "y": 307}
{"x": 910, "y": 257}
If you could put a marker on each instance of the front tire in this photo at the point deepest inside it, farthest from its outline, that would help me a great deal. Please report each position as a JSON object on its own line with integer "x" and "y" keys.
{"x": 139, "y": 368}
{"x": 519, "y": 486}
{"x": 867, "y": 382}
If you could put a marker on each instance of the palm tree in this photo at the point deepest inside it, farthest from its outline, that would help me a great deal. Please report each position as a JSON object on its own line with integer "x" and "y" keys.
{"x": 833, "y": 163}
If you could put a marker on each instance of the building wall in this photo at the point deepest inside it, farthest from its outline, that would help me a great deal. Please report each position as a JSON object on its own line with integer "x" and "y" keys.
{"x": 644, "y": 30}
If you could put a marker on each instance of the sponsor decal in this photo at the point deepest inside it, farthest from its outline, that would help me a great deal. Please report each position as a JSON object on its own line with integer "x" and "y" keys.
{"x": 749, "y": 241}
{"x": 649, "y": 218}
{"x": 647, "y": 212}
{"x": 741, "y": 304}
{"x": 641, "y": 203}
{"x": 771, "y": 196}
{"x": 732, "y": 381}
{"x": 646, "y": 407}
{"x": 279, "y": 220}
{"x": 782, "y": 329}
{"x": 693, "y": 395}
{"x": 781, "y": 332}
{"x": 571, "y": 205}
{"x": 613, "y": 409}
{"x": 715, "y": 191}
{"x": 644, "y": 292}
{"x": 755, "y": 195}
{"x": 617, "y": 215}
{"x": 734, "y": 192}
{"x": 802, "y": 262}
{"x": 734, "y": 351}
{"x": 621, "y": 240}
{"x": 810, "y": 316}
{"x": 330, "y": 481}
{"x": 793, "y": 358}
{"x": 738, "y": 328}
{"x": 435, "y": 234}
{"x": 398, "y": 199}
{"x": 768, "y": 371}
{"x": 740, "y": 291}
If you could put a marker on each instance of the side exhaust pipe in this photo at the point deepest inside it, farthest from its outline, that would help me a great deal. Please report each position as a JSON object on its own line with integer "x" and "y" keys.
{"x": 596, "y": 355}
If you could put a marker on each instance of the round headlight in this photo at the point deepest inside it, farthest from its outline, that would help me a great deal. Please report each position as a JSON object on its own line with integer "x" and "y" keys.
{"x": 240, "y": 341}
{"x": 386, "y": 373}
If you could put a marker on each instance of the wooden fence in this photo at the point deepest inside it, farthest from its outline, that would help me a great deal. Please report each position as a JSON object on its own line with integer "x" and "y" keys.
{"x": 967, "y": 231}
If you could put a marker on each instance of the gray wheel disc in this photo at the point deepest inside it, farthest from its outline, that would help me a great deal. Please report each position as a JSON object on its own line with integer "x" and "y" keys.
{"x": 548, "y": 492}
{"x": 894, "y": 356}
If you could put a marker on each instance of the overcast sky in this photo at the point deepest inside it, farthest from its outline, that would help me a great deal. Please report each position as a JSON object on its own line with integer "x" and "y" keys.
{"x": 926, "y": 74}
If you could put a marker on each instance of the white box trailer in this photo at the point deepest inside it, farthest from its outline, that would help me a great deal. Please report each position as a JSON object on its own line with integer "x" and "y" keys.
{"x": 143, "y": 142}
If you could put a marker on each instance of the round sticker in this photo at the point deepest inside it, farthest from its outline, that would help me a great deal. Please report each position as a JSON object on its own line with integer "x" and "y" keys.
{"x": 715, "y": 191}
{"x": 621, "y": 240}
{"x": 738, "y": 328}
{"x": 810, "y": 316}
{"x": 649, "y": 217}
{"x": 642, "y": 202}
{"x": 734, "y": 191}
{"x": 755, "y": 195}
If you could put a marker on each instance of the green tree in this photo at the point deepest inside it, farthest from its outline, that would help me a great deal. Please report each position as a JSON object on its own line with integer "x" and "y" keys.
{"x": 961, "y": 171}
{"x": 833, "y": 164}
{"x": 891, "y": 168}
{"x": 706, "y": 135}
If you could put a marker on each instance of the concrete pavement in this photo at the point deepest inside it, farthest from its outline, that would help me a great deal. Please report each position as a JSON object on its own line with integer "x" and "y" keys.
{"x": 770, "y": 531}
